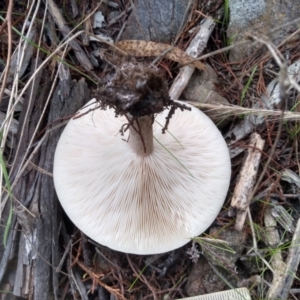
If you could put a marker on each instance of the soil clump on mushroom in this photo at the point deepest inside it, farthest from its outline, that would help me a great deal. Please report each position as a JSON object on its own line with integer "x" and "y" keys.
{"x": 139, "y": 91}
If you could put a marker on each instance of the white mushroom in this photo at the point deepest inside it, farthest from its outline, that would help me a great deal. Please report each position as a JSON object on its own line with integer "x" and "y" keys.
{"x": 136, "y": 202}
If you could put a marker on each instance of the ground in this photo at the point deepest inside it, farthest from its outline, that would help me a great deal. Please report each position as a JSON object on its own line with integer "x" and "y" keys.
{"x": 56, "y": 71}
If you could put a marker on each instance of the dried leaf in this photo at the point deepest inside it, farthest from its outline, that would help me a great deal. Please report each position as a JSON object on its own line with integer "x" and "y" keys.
{"x": 147, "y": 48}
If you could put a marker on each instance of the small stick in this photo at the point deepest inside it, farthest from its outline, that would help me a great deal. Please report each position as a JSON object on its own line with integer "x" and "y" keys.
{"x": 281, "y": 288}
{"x": 276, "y": 261}
{"x": 241, "y": 200}
{"x": 195, "y": 48}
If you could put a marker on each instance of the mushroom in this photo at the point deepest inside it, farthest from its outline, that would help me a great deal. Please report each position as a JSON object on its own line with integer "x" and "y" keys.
{"x": 145, "y": 192}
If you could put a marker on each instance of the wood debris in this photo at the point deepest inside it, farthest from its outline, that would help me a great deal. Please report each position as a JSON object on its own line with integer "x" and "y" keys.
{"x": 195, "y": 48}
{"x": 285, "y": 273}
{"x": 240, "y": 200}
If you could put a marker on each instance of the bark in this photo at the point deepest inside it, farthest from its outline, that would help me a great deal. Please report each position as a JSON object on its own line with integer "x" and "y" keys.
{"x": 36, "y": 248}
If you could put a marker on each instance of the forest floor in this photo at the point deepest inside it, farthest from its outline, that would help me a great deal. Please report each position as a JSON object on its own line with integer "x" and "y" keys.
{"x": 45, "y": 254}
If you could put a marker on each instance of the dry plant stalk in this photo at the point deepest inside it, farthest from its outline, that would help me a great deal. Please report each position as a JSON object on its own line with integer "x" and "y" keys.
{"x": 284, "y": 279}
{"x": 195, "y": 48}
{"x": 273, "y": 240}
{"x": 221, "y": 110}
{"x": 241, "y": 196}
{"x": 22, "y": 57}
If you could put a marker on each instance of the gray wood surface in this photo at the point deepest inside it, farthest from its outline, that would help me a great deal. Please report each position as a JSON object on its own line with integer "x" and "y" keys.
{"x": 35, "y": 246}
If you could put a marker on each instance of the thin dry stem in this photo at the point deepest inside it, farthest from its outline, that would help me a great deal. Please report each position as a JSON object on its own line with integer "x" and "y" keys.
{"x": 7, "y": 21}
{"x": 34, "y": 152}
{"x": 21, "y": 51}
{"x": 27, "y": 116}
{"x": 221, "y": 110}
{"x": 240, "y": 200}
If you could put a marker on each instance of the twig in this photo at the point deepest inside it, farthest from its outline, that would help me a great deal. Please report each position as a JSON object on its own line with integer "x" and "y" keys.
{"x": 276, "y": 262}
{"x": 240, "y": 200}
{"x": 142, "y": 277}
{"x": 286, "y": 278}
{"x": 96, "y": 277}
{"x": 195, "y": 48}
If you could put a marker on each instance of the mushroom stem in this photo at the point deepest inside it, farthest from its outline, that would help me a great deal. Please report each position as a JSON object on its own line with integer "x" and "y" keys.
{"x": 141, "y": 136}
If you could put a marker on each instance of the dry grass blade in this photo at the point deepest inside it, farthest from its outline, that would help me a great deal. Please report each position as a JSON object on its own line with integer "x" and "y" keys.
{"x": 234, "y": 110}
{"x": 9, "y": 29}
{"x": 20, "y": 52}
